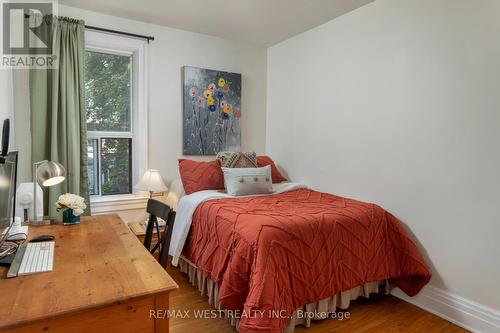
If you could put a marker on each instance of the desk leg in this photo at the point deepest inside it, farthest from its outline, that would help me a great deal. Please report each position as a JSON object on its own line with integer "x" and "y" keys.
{"x": 161, "y": 303}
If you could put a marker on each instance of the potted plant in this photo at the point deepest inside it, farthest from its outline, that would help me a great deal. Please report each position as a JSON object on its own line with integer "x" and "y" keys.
{"x": 72, "y": 207}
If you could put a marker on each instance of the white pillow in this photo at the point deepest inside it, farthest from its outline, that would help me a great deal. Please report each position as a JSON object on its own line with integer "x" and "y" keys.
{"x": 248, "y": 181}
{"x": 175, "y": 193}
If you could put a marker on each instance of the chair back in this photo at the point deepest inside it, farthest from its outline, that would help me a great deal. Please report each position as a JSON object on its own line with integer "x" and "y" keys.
{"x": 157, "y": 209}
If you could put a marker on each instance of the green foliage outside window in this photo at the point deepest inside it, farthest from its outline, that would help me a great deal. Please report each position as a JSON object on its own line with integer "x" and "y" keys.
{"x": 108, "y": 108}
{"x": 107, "y": 92}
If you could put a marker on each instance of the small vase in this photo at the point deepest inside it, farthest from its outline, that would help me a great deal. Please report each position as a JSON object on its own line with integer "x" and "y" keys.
{"x": 69, "y": 218}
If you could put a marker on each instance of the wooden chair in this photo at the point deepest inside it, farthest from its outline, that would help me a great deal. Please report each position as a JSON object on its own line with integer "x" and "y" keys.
{"x": 159, "y": 209}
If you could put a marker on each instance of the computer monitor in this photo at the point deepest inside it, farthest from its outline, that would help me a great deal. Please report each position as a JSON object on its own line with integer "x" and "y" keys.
{"x": 8, "y": 180}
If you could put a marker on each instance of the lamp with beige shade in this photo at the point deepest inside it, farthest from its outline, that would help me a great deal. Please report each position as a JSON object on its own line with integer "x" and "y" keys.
{"x": 151, "y": 182}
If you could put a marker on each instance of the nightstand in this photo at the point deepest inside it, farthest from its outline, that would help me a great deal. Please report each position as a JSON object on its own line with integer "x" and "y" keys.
{"x": 139, "y": 230}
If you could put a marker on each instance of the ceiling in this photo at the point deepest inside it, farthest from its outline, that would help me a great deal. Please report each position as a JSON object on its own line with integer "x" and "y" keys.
{"x": 262, "y": 22}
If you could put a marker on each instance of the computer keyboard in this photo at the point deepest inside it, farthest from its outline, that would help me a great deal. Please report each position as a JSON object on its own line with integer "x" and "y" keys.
{"x": 38, "y": 257}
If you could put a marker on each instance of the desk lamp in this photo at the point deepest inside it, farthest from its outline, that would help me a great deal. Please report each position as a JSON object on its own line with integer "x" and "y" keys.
{"x": 45, "y": 173}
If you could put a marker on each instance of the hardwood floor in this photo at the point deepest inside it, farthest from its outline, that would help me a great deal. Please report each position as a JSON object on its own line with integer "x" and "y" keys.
{"x": 378, "y": 314}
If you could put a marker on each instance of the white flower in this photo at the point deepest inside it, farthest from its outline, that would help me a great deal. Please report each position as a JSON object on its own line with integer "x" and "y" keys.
{"x": 71, "y": 201}
{"x": 77, "y": 212}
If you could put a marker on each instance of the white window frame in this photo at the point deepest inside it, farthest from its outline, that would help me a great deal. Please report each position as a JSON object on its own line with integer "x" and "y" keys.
{"x": 109, "y": 43}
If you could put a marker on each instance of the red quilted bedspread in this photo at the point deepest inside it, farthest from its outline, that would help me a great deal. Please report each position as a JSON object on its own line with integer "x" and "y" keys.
{"x": 271, "y": 254}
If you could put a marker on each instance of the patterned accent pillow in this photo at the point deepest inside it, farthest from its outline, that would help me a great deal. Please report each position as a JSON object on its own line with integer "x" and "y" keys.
{"x": 248, "y": 181}
{"x": 198, "y": 176}
{"x": 237, "y": 159}
{"x": 275, "y": 173}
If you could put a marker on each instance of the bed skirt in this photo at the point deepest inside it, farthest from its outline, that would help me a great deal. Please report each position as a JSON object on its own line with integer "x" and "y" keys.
{"x": 310, "y": 311}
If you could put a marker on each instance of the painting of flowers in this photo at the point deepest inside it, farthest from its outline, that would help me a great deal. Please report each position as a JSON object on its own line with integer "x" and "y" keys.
{"x": 211, "y": 111}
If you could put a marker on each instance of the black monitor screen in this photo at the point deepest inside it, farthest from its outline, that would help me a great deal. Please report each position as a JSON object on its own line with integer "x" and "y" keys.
{"x": 8, "y": 178}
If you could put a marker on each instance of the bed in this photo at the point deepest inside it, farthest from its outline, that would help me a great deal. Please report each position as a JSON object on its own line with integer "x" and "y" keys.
{"x": 264, "y": 258}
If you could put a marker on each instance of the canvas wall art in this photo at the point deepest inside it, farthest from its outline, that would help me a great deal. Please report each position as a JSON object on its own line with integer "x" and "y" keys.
{"x": 211, "y": 111}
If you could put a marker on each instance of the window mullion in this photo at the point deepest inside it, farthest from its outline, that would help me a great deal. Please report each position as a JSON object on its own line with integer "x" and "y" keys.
{"x": 104, "y": 134}
{"x": 99, "y": 165}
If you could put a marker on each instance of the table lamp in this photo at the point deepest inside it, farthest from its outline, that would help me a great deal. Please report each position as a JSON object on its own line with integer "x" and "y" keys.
{"x": 151, "y": 182}
{"x": 45, "y": 173}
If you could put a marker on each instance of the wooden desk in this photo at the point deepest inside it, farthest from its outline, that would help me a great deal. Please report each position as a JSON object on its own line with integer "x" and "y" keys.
{"x": 104, "y": 280}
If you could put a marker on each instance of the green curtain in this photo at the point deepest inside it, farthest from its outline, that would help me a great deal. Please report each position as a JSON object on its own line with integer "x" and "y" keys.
{"x": 58, "y": 122}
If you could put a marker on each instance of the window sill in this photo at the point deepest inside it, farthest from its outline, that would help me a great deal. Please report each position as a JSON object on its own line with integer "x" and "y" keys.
{"x": 117, "y": 203}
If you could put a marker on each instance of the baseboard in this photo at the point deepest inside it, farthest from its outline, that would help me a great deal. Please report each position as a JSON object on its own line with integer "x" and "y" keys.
{"x": 470, "y": 315}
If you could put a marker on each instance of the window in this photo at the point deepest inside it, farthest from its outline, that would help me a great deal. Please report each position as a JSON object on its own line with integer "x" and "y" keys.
{"x": 115, "y": 84}
{"x": 108, "y": 82}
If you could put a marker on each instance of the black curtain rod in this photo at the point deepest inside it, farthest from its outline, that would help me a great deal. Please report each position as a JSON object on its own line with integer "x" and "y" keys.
{"x": 148, "y": 38}
{"x": 90, "y": 27}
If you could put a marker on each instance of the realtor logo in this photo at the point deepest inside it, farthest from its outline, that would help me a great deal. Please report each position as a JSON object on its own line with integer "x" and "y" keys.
{"x": 27, "y": 35}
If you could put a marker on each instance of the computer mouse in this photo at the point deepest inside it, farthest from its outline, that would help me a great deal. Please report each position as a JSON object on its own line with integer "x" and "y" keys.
{"x": 42, "y": 238}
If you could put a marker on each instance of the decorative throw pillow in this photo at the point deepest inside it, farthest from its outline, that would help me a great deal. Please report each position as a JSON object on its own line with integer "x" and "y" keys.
{"x": 275, "y": 173}
{"x": 247, "y": 181}
{"x": 175, "y": 193}
{"x": 237, "y": 159}
{"x": 197, "y": 176}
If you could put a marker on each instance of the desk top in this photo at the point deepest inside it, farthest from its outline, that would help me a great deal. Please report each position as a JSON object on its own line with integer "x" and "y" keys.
{"x": 96, "y": 263}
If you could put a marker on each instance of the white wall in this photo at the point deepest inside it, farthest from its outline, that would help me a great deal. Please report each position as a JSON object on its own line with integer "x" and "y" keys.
{"x": 6, "y": 99}
{"x": 171, "y": 50}
{"x": 14, "y": 104}
{"x": 398, "y": 103}
{"x": 22, "y": 126}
